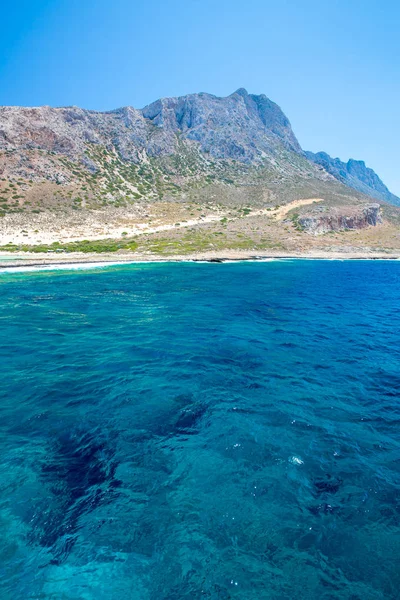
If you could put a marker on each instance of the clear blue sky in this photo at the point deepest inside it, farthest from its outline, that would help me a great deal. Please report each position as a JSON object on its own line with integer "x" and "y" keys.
{"x": 334, "y": 67}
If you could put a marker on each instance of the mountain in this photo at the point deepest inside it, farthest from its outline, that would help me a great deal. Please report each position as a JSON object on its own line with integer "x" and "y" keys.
{"x": 242, "y": 127}
{"x": 172, "y": 147}
{"x": 245, "y": 128}
{"x": 355, "y": 174}
{"x": 69, "y": 173}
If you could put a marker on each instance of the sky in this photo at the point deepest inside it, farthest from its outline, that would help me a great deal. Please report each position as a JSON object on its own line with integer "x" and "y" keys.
{"x": 333, "y": 67}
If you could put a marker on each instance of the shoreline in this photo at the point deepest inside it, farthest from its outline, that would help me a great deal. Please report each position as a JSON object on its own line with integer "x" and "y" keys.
{"x": 27, "y": 261}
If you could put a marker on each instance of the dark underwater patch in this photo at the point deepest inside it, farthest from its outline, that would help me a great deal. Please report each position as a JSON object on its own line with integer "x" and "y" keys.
{"x": 385, "y": 383}
{"x": 327, "y": 484}
{"x": 184, "y": 418}
{"x": 189, "y": 418}
{"x": 79, "y": 476}
{"x": 324, "y": 509}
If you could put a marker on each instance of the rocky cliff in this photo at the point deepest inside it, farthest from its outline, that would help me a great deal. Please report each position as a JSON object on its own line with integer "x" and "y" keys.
{"x": 197, "y": 152}
{"x": 167, "y": 150}
{"x": 355, "y": 174}
{"x": 196, "y": 135}
{"x": 323, "y": 220}
{"x": 242, "y": 126}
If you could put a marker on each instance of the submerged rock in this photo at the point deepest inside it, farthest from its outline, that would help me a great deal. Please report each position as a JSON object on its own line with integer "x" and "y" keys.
{"x": 327, "y": 484}
{"x": 79, "y": 475}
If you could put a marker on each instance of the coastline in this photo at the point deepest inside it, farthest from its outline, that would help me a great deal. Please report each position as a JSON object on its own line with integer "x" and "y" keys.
{"x": 10, "y": 262}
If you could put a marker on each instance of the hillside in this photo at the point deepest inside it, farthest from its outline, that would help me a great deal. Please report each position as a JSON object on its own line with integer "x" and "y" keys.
{"x": 200, "y": 167}
{"x": 355, "y": 174}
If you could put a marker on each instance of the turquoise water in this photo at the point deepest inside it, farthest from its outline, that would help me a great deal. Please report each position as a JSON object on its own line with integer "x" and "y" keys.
{"x": 201, "y": 431}
{"x": 10, "y": 257}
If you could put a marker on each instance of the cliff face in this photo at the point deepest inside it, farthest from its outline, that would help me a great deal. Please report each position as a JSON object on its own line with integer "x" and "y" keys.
{"x": 322, "y": 220}
{"x": 239, "y": 149}
{"x": 355, "y": 174}
{"x": 243, "y": 127}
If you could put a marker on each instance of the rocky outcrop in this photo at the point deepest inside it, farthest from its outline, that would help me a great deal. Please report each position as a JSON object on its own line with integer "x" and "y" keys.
{"x": 355, "y": 174}
{"x": 170, "y": 147}
{"x": 323, "y": 220}
{"x": 242, "y": 126}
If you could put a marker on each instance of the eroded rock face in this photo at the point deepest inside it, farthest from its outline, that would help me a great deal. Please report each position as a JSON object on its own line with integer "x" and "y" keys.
{"x": 177, "y": 140}
{"x": 340, "y": 219}
{"x": 241, "y": 126}
{"x": 355, "y": 174}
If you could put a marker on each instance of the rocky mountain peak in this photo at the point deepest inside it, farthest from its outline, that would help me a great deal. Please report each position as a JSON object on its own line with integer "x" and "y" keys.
{"x": 241, "y": 92}
{"x": 240, "y": 126}
{"x": 355, "y": 174}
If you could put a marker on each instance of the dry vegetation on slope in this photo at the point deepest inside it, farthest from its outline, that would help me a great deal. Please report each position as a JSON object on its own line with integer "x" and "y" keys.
{"x": 184, "y": 174}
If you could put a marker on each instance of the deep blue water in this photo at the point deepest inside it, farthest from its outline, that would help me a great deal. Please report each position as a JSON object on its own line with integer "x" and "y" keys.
{"x": 201, "y": 431}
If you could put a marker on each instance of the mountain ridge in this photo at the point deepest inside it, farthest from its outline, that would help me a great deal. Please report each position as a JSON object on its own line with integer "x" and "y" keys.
{"x": 242, "y": 127}
{"x": 68, "y": 173}
{"x": 355, "y": 174}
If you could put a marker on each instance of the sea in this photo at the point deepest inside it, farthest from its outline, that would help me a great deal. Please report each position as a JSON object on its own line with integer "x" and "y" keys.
{"x": 201, "y": 431}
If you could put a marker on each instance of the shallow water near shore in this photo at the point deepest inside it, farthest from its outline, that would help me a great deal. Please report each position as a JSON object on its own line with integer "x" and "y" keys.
{"x": 183, "y": 431}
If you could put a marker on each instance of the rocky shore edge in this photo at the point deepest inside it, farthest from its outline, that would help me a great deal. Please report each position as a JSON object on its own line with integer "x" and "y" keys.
{"x": 10, "y": 262}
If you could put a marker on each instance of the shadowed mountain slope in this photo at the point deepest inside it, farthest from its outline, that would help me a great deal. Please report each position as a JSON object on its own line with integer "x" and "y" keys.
{"x": 355, "y": 174}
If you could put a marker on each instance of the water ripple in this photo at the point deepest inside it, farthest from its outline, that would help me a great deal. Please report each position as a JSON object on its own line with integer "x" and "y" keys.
{"x": 191, "y": 431}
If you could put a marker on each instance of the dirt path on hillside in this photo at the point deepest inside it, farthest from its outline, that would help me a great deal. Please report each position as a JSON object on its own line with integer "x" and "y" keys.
{"x": 282, "y": 211}
{"x": 93, "y": 228}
